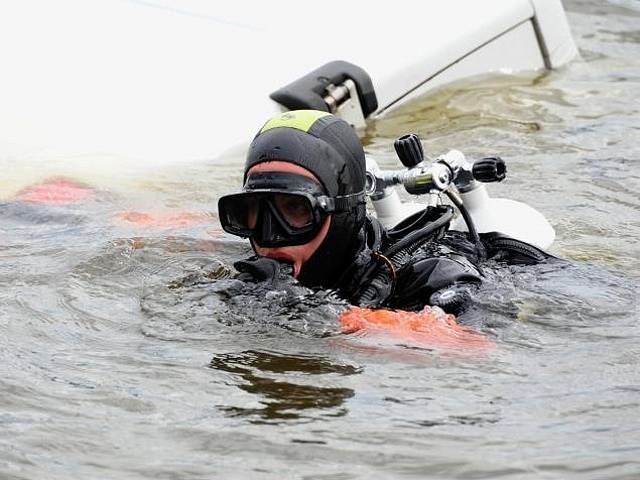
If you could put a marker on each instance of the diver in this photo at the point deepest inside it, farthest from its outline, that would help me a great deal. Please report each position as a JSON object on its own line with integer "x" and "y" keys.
{"x": 303, "y": 208}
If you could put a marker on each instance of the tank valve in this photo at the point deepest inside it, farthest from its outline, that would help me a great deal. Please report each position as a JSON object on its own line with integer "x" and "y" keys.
{"x": 489, "y": 169}
{"x": 409, "y": 150}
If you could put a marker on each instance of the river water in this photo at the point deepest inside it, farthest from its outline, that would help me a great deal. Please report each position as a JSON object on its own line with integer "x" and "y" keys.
{"x": 120, "y": 359}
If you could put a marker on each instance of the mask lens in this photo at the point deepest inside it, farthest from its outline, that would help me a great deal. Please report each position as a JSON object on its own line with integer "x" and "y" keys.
{"x": 270, "y": 218}
{"x": 295, "y": 209}
{"x": 240, "y": 212}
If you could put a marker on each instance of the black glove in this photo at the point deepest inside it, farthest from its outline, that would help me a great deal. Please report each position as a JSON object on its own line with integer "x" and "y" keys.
{"x": 452, "y": 299}
{"x": 262, "y": 269}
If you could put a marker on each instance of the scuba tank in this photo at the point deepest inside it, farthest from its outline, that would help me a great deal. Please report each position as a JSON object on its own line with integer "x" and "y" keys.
{"x": 462, "y": 182}
{"x": 501, "y": 229}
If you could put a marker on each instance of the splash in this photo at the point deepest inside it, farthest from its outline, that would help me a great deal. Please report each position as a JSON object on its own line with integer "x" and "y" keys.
{"x": 430, "y": 327}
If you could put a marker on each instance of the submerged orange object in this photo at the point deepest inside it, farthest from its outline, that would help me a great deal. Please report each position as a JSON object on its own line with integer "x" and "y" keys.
{"x": 173, "y": 220}
{"x": 430, "y": 327}
{"x": 56, "y": 192}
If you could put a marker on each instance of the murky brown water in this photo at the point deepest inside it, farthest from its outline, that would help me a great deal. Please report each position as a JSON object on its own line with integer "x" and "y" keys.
{"x": 111, "y": 371}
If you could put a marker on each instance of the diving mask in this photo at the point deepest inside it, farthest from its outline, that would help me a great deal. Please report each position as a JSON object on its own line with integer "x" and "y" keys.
{"x": 279, "y": 209}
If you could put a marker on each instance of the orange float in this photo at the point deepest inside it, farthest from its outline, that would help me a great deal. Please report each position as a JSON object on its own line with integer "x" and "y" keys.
{"x": 430, "y": 327}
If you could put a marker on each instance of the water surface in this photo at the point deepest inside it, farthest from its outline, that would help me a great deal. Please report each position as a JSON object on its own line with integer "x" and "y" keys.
{"x": 120, "y": 360}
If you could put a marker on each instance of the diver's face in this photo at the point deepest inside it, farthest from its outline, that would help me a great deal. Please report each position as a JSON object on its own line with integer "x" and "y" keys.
{"x": 296, "y": 255}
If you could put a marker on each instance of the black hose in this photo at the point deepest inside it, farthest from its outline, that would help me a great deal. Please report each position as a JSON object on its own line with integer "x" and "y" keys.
{"x": 379, "y": 283}
{"x": 473, "y": 233}
{"x": 395, "y": 256}
{"x": 420, "y": 234}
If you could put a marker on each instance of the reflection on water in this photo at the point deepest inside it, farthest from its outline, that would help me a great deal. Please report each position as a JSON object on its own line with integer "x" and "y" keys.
{"x": 129, "y": 351}
{"x": 283, "y": 400}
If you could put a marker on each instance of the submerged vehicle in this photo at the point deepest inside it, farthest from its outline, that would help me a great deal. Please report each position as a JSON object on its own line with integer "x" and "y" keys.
{"x": 193, "y": 84}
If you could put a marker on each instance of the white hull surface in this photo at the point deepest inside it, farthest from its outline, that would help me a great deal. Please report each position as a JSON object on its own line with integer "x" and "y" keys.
{"x": 171, "y": 80}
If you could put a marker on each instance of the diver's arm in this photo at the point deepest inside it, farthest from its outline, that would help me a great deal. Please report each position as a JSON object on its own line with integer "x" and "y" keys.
{"x": 441, "y": 281}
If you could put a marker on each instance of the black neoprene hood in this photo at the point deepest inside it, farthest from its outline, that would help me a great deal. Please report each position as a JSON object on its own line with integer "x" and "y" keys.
{"x": 329, "y": 148}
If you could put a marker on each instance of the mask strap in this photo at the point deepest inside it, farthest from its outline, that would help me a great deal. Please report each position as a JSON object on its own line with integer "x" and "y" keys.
{"x": 344, "y": 203}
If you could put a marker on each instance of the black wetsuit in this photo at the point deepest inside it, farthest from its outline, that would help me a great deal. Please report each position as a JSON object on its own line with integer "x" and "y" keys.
{"x": 445, "y": 272}
{"x": 419, "y": 262}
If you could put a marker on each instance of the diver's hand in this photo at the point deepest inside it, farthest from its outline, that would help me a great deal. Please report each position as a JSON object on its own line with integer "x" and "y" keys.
{"x": 452, "y": 299}
{"x": 261, "y": 269}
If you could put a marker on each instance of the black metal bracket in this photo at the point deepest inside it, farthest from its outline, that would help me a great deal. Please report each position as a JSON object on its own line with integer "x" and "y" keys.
{"x": 309, "y": 92}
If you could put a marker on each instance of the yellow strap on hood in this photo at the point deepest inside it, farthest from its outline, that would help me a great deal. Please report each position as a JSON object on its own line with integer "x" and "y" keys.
{"x": 298, "y": 119}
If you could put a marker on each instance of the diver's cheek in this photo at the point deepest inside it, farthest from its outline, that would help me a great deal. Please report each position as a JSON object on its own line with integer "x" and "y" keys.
{"x": 296, "y": 255}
